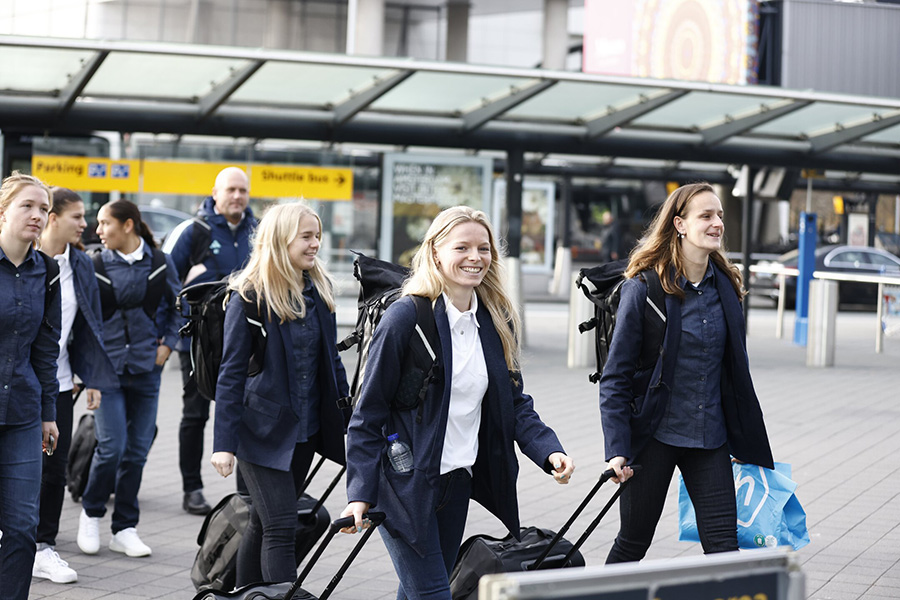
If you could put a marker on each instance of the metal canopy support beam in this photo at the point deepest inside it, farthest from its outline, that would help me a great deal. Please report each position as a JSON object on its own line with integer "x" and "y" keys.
{"x": 346, "y": 110}
{"x": 845, "y": 135}
{"x": 478, "y": 117}
{"x": 616, "y": 118}
{"x": 719, "y": 133}
{"x": 219, "y": 94}
{"x": 78, "y": 81}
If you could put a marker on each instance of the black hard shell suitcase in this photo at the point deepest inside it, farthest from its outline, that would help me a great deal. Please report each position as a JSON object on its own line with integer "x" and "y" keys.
{"x": 293, "y": 591}
{"x": 538, "y": 549}
{"x": 220, "y": 535}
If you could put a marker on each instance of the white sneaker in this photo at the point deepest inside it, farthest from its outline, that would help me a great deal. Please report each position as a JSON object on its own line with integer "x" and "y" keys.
{"x": 48, "y": 565}
{"x": 88, "y": 533}
{"x": 128, "y": 543}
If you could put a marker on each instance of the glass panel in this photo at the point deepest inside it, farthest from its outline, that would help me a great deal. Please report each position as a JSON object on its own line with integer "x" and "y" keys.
{"x": 445, "y": 92}
{"x": 816, "y": 118}
{"x": 572, "y": 100}
{"x": 304, "y": 84}
{"x": 881, "y": 260}
{"x": 39, "y": 69}
{"x": 891, "y": 135}
{"x": 160, "y": 75}
{"x": 700, "y": 109}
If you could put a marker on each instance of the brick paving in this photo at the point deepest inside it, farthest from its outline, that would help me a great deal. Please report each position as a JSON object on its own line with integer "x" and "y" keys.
{"x": 837, "y": 427}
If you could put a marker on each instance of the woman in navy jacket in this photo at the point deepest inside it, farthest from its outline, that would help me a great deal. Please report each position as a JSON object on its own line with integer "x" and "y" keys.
{"x": 138, "y": 338}
{"x": 462, "y": 447}
{"x": 29, "y": 344}
{"x": 276, "y": 420}
{"x": 82, "y": 328}
{"x": 696, "y": 407}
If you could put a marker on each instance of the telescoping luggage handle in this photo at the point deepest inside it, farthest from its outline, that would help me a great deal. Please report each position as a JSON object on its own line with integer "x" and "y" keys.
{"x": 328, "y": 490}
{"x": 604, "y": 477}
{"x": 375, "y": 517}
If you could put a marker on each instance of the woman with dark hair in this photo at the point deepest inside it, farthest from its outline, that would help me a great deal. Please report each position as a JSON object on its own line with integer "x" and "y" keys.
{"x": 138, "y": 285}
{"x": 81, "y": 317}
{"x": 695, "y": 407}
{"x": 29, "y": 344}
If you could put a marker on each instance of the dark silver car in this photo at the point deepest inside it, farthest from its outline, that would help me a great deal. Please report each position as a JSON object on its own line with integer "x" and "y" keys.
{"x": 859, "y": 260}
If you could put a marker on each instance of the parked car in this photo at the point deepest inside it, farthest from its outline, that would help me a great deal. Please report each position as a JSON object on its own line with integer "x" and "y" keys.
{"x": 162, "y": 220}
{"x": 853, "y": 260}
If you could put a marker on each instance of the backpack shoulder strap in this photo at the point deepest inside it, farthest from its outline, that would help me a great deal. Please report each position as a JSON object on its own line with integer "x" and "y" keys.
{"x": 201, "y": 236}
{"x": 654, "y": 319}
{"x": 254, "y": 316}
{"x": 108, "y": 301}
{"x": 426, "y": 331}
{"x": 51, "y": 284}
{"x": 156, "y": 283}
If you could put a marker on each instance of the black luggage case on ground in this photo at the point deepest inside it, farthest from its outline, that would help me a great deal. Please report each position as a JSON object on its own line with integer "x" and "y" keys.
{"x": 220, "y": 535}
{"x": 538, "y": 549}
{"x": 293, "y": 591}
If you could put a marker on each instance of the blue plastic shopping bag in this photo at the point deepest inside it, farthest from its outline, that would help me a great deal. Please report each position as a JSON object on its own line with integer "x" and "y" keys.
{"x": 768, "y": 512}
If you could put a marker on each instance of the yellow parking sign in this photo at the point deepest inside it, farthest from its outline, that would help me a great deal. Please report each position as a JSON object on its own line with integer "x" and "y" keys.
{"x": 86, "y": 174}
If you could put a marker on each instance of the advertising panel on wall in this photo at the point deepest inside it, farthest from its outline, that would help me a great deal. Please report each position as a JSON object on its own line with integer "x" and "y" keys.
{"x": 538, "y": 214}
{"x": 415, "y": 188}
{"x": 696, "y": 40}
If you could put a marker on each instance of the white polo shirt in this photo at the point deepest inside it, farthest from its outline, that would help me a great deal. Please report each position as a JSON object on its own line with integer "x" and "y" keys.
{"x": 468, "y": 384}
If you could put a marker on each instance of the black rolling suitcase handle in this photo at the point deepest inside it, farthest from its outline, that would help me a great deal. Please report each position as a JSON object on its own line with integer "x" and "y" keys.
{"x": 604, "y": 477}
{"x": 328, "y": 490}
{"x": 376, "y": 517}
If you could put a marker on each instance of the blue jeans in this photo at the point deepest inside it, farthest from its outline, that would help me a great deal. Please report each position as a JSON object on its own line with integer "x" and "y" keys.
{"x": 20, "y": 488}
{"x": 428, "y": 577}
{"x": 125, "y": 425}
{"x": 709, "y": 481}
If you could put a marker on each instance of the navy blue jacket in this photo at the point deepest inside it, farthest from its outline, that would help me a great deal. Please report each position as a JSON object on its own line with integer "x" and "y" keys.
{"x": 87, "y": 353}
{"x": 228, "y": 251}
{"x": 632, "y": 404}
{"x": 507, "y": 416}
{"x": 255, "y": 418}
{"x": 135, "y": 347}
{"x": 28, "y": 348}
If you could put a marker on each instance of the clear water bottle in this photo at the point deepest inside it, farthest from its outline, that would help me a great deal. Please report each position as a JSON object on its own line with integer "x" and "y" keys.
{"x": 399, "y": 454}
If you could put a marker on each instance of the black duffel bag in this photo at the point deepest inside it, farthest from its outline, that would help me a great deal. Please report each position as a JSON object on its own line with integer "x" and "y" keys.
{"x": 482, "y": 555}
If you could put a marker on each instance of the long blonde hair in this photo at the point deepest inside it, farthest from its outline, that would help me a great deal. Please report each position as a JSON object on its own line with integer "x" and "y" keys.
{"x": 270, "y": 276}
{"x": 428, "y": 280}
{"x": 13, "y": 185}
{"x": 659, "y": 249}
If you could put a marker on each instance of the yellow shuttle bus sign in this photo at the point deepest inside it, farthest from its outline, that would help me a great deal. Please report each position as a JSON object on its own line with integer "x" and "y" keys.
{"x": 87, "y": 174}
{"x": 315, "y": 183}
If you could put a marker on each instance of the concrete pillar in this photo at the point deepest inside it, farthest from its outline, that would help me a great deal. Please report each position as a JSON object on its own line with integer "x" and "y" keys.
{"x": 823, "y": 297}
{"x": 278, "y": 24}
{"x": 556, "y": 34}
{"x": 515, "y": 173}
{"x": 458, "y": 31}
{"x": 365, "y": 27}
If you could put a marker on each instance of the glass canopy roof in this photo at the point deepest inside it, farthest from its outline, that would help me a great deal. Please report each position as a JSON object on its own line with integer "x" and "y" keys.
{"x": 51, "y": 84}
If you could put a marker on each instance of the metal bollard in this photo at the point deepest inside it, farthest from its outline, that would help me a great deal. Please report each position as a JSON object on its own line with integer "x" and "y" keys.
{"x": 823, "y": 297}
{"x": 581, "y": 345}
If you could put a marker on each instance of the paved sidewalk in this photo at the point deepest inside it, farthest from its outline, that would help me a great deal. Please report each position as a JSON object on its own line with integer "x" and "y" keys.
{"x": 837, "y": 426}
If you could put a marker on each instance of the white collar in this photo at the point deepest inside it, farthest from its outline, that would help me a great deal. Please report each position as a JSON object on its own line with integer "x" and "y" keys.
{"x": 454, "y": 314}
{"x": 64, "y": 257}
{"x": 134, "y": 256}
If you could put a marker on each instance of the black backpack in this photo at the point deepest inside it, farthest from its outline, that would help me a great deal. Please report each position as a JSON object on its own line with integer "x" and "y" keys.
{"x": 156, "y": 286}
{"x": 380, "y": 282}
{"x": 205, "y": 305}
{"x": 607, "y": 280}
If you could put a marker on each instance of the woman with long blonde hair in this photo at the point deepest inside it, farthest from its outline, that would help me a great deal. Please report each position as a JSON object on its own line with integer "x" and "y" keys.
{"x": 461, "y": 434}
{"x": 274, "y": 421}
{"x": 695, "y": 407}
{"x": 29, "y": 346}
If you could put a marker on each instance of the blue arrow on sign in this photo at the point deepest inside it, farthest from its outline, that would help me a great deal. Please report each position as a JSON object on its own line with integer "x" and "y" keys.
{"x": 97, "y": 170}
{"x": 120, "y": 171}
